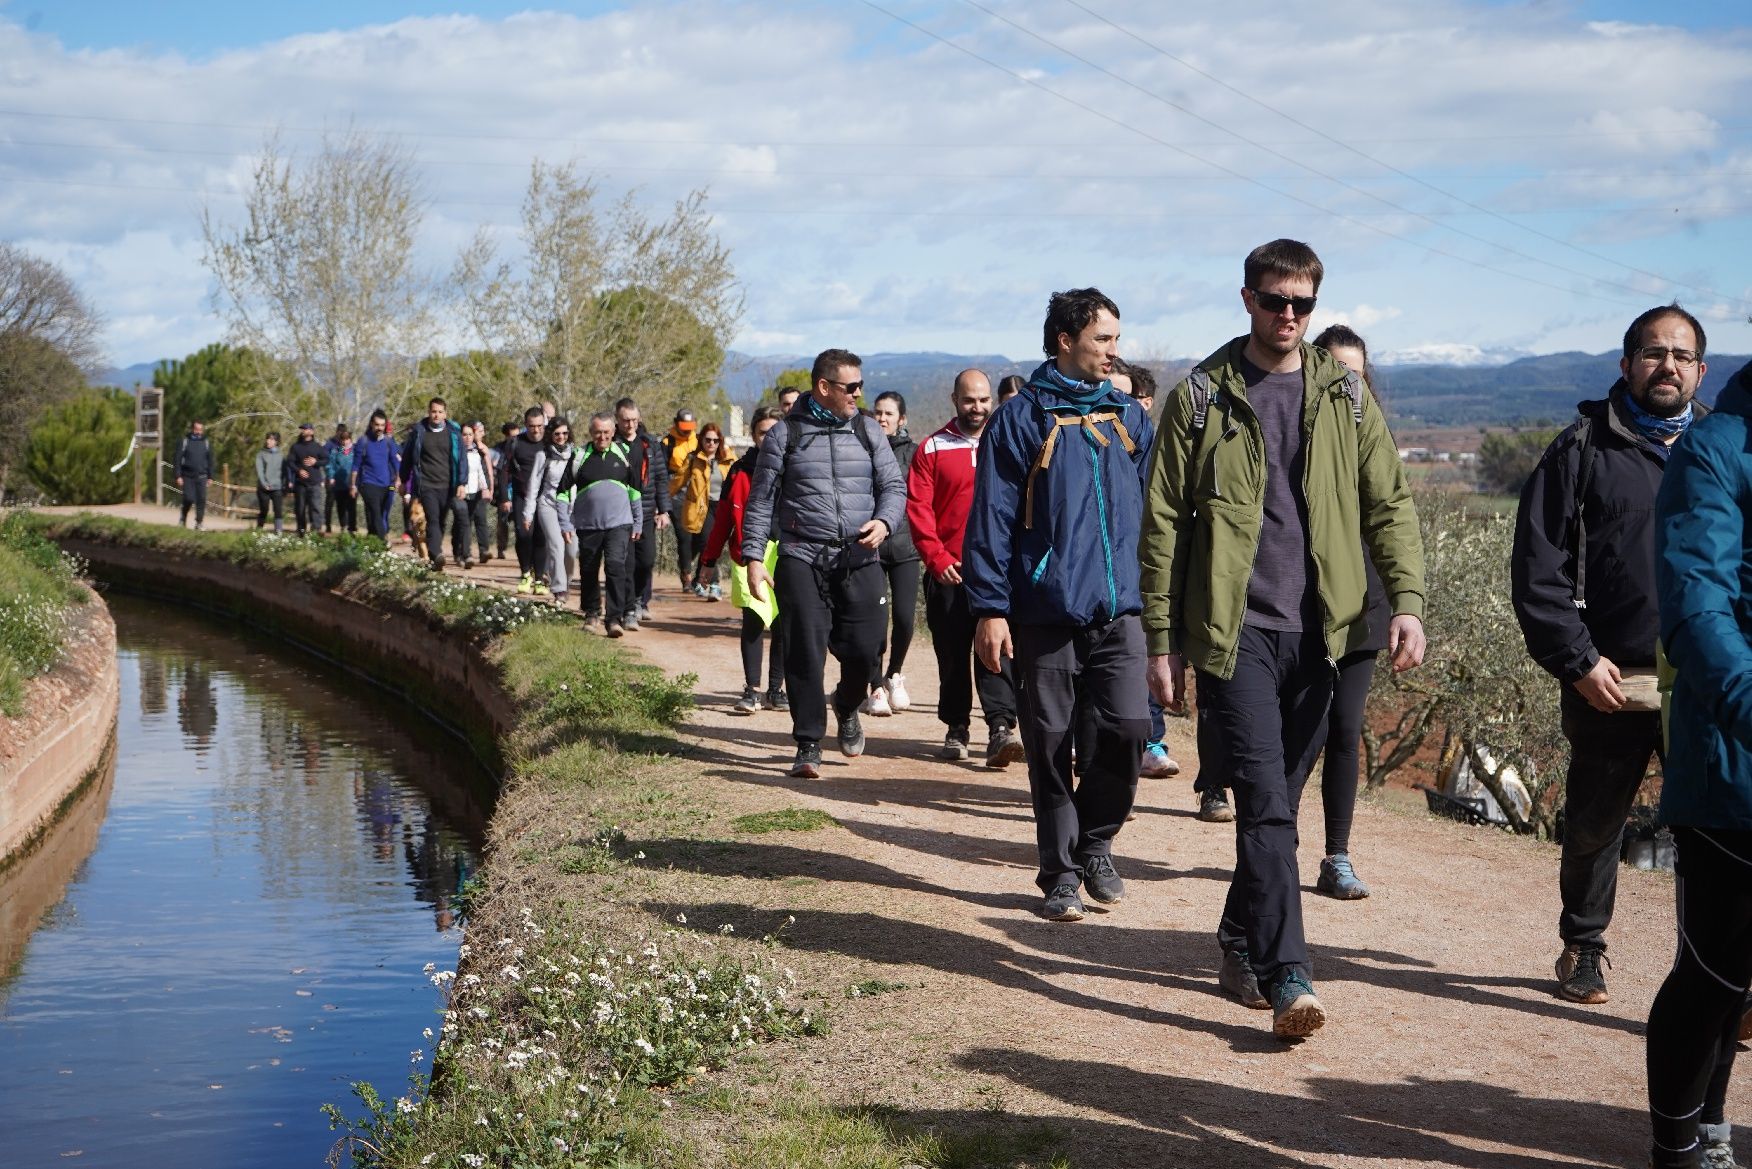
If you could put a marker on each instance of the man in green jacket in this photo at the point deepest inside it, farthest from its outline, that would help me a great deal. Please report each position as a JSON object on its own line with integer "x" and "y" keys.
{"x": 1272, "y": 470}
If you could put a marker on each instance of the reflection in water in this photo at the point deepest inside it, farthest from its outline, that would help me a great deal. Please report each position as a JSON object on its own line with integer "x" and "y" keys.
{"x": 281, "y": 856}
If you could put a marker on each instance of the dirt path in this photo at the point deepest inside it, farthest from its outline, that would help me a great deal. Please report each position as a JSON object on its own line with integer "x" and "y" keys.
{"x": 1446, "y": 1044}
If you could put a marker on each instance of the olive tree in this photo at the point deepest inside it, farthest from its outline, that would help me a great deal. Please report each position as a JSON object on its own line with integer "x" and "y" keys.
{"x": 322, "y": 275}
{"x": 1478, "y": 693}
{"x": 605, "y": 300}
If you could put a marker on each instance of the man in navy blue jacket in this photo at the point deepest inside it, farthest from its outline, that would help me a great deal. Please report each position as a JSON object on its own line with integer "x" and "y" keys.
{"x": 1050, "y": 566}
{"x": 435, "y": 472}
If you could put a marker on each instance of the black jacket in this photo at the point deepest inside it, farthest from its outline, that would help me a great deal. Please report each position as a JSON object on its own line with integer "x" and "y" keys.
{"x": 295, "y": 457}
{"x": 651, "y": 461}
{"x": 194, "y": 458}
{"x": 898, "y": 548}
{"x": 1620, "y": 618}
{"x": 514, "y": 468}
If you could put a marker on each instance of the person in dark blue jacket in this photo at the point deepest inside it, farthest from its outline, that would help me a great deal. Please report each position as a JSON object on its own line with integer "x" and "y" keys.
{"x": 435, "y": 471}
{"x": 1050, "y": 568}
{"x": 1703, "y": 544}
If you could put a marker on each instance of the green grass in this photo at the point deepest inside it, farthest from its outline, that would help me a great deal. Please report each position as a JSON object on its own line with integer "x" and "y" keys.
{"x": 38, "y": 589}
{"x": 784, "y": 820}
{"x": 871, "y": 987}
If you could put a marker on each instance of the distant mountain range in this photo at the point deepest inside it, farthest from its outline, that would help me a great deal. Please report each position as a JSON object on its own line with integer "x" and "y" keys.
{"x": 1438, "y": 386}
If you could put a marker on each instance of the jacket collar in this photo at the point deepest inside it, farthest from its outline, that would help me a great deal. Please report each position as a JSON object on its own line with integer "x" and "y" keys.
{"x": 1618, "y": 418}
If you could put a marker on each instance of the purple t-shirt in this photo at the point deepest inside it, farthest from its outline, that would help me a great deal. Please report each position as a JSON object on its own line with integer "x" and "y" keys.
{"x": 1278, "y": 594}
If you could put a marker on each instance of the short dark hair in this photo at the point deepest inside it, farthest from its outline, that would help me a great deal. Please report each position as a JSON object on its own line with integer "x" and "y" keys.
{"x": 1143, "y": 380}
{"x": 341, "y": 431}
{"x": 1343, "y": 336}
{"x": 1633, "y": 335}
{"x": 535, "y": 412}
{"x": 1282, "y": 257}
{"x": 625, "y": 404}
{"x": 508, "y": 428}
{"x": 273, "y": 434}
{"x": 894, "y": 396}
{"x": 435, "y": 401}
{"x": 832, "y": 361}
{"x": 375, "y": 415}
{"x": 1070, "y": 313}
{"x": 1010, "y": 384}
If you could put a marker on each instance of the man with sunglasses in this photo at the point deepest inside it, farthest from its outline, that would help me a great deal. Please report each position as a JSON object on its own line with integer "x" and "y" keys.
{"x": 828, "y": 489}
{"x": 1583, "y": 585}
{"x": 1272, "y": 468}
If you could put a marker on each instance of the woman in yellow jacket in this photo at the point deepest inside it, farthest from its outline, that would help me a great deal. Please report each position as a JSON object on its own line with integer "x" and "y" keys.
{"x": 695, "y": 490}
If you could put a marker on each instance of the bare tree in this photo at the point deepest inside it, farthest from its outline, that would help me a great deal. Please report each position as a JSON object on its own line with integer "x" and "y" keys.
{"x": 48, "y": 336}
{"x": 323, "y": 276}
{"x": 605, "y": 302}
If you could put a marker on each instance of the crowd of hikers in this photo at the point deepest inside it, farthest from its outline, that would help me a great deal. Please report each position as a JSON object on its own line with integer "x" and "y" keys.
{"x": 1090, "y": 559}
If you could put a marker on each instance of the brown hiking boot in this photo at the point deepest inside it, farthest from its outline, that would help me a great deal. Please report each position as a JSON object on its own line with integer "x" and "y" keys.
{"x": 1578, "y": 974}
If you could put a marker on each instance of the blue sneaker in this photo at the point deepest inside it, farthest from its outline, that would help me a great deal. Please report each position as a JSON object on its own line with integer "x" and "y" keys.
{"x": 1338, "y": 879}
{"x": 1295, "y": 1012}
{"x": 1157, "y": 764}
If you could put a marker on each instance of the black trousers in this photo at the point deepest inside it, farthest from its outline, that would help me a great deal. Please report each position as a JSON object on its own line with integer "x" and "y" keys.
{"x": 475, "y": 517}
{"x": 331, "y": 503}
{"x": 1076, "y": 819}
{"x": 687, "y": 548}
{"x": 440, "y": 504}
{"x": 1269, "y": 719}
{"x": 1695, "y": 1018}
{"x": 346, "y": 508}
{"x": 265, "y": 497}
{"x": 958, "y": 674}
{"x": 644, "y": 562}
{"x": 378, "y": 498}
{"x": 754, "y": 631}
{"x": 194, "y": 495}
{"x": 903, "y": 617}
{"x": 1341, "y": 764}
{"x": 826, "y": 607}
{"x": 505, "y": 530}
{"x": 1609, "y": 754}
{"x": 307, "y": 505}
{"x": 606, "y": 551}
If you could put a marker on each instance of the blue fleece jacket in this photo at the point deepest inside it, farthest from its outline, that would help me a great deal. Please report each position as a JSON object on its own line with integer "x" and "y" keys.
{"x": 376, "y": 462}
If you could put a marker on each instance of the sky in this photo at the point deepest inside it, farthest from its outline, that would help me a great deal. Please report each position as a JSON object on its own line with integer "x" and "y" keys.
{"x": 1482, "y": 178}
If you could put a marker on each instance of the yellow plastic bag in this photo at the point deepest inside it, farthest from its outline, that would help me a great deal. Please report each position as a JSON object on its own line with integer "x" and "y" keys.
{"x": 742, "y": 598}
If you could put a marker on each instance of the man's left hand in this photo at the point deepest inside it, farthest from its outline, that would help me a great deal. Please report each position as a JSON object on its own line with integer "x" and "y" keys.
{"x": 872, "y": 534}
{"x": 662, "y": 521}
{"x": 1405, "y": 642}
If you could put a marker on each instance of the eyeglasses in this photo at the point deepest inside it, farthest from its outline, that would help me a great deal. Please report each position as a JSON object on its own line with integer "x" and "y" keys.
{"x": 1657, "y": 355}
{"x": 562, "y": 432}
{"x": 848, "y": 387}
{"x": 708, "y": 441}
{"x": 1274, "y": 302}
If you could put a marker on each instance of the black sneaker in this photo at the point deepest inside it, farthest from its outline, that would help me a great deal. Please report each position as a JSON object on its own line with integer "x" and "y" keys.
{"x": 1102, "y": 882}
{"x": 1002, "y": 746}
{"x": 851, "y": 736}
{"x": 808, "y": 761}
{"x": 776, "y": 700}
{"x": 954, "y": 745}
{"x": 1063, "y": 904}
{"x": 1578, "y": 974}
{"x": 1295, "y": 1012}
{"x": 1213, "y": 807}
{"x": 748, "y": 703}
{"x": 1235, "y": 976}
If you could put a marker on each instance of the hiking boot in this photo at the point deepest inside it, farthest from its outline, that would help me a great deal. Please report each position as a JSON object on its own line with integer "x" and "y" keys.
{"x": 1213, "y": 807}
{"x": 1002, "y": 746}
{"x": 1578, "y": 974}
{"x": 954, "y": 745}
{"x": 898, "y": 698}
{"x": 876, "y": 704}
{"x": 1295, "y": 1012}
{"x": 1235, "y": 977}
{"x": 614, "y": 629}
{"x": 776, "y": 700}
{"x": 748, "y": 703}
{"x": 1157, "y": 764}
{"x": 526, "y": 584}
{"x": 1063, "y": 904}
{"x": 1101, "y": 881}
{"x": 591, "y": 620}
{"x": 467, "y": 563}
{"x": 1338, "y": 879}
{"x": 1717, "y": 1144}
{"x": 437, "y": 564}
{"x": 631, "y": 622}
{"x": 644, "y": 612}
{"x": 851, "y": 736}
{"x": 807, "y": 765}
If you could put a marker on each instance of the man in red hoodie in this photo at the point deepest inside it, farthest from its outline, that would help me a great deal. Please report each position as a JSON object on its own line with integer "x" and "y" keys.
{"x": 939, "y": 494}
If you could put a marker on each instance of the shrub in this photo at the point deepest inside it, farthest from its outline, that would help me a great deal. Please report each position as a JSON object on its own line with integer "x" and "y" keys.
{"x": 37, "y": 587}
{"x": 73, "y": 446}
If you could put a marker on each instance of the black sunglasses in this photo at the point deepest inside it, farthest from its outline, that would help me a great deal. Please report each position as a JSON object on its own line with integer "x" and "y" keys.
{"x": 848, "y": 387}
{"x": 1274, "y": 302}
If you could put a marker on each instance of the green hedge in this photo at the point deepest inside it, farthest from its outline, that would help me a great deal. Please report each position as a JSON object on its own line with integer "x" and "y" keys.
{"x": 38, "y": 589}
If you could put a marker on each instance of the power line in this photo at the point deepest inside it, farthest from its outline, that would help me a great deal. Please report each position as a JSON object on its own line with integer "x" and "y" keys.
{"x": 1334, "y": 179}
{"x": 1163, "y": 142}
{"x": 1298, "y": 123}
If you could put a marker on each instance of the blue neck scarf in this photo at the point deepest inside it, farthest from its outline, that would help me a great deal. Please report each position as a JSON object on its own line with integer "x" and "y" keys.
{"x": 1654, "y": 428}
{"x": 1081, "y": 394}
{"x": 823, "y": 415}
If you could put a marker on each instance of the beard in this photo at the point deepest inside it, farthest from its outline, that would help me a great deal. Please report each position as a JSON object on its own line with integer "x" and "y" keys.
{"x": 1663, "y": 399}
{"x": 971, "y": 426}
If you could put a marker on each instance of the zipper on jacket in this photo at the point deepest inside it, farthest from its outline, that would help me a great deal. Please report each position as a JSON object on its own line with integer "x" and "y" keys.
{"x": 1040, "y": 569}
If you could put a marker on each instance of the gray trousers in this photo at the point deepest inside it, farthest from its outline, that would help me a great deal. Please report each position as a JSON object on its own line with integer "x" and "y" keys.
{"x": 547, "y": 518}
{"x": 1073, "y": 819}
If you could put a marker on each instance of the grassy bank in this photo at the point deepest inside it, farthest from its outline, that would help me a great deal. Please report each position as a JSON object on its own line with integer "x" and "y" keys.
{"x": 38, "y": 590}
{"x": 589, "y": 1022}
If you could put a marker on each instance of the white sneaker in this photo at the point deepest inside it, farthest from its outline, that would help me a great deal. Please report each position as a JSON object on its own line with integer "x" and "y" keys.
{"x": 876, "y": 704}
{"x": 898, "y": 698}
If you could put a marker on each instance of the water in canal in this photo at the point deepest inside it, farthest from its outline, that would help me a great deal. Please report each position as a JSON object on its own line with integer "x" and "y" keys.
{"x": 230, "y": 928}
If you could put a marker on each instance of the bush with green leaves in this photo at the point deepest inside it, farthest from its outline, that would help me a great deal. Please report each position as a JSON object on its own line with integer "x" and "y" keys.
{"x": 38, "y": 588}
{"x": 73, "y": 445}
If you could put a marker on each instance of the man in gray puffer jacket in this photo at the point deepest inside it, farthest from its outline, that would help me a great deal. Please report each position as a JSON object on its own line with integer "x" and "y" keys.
{"x": 827, "y": 488}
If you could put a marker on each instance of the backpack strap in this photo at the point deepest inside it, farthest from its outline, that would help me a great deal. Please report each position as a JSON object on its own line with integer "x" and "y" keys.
{"x": 1043, "y": 460}
{"x": 1585, "y": 452}
{"x": 1353, "y": 389}
{"x": 1198, "y": 388}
